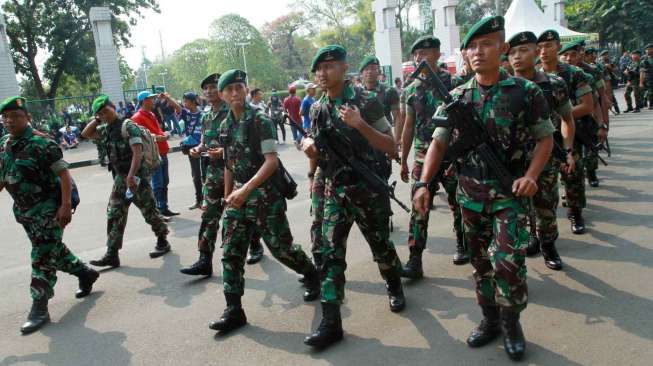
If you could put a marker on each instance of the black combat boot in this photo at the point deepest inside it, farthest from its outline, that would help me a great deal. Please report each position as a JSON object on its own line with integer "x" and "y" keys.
{"x": 318, "y": 262}
{"x": 413, "y": 268}
{"x": 533, "y": 247}
{"x": 551, "y": 257}
{"x": 255, "y": 252}
{"x": 233, "y": 316}
{"x": 461, "y": 257}
{"x": 513, "y": 336}
{"x": 629, "y": 109}
{"x": 330, "y": 329}
{"x": 637, "y": 110}
{"x": 87, "y": 278}
{"x": 203, "y": 266}
{"x": 38, "y": 316}
{"x": 110, "y": 259}
{"x": 312, "y": 284}
{"x": 396, "y": 297}
{"x": 162, "y": 247}
{"x": 575, "y": 216}
{"x": 488, "y": 330}
{"x": 592, "y": 179}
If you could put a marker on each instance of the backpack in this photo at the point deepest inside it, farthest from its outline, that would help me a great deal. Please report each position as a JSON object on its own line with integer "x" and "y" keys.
{"x": 151, "y": 158}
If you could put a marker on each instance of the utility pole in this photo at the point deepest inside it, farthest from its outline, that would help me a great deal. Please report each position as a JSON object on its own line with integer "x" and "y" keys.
{"x": 242, "y": 46}
{"x": 163, "y": 76}
{"x": 163, "y": 55}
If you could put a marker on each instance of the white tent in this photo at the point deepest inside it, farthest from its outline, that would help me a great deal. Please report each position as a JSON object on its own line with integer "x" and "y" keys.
{"x": 525, "y": 15}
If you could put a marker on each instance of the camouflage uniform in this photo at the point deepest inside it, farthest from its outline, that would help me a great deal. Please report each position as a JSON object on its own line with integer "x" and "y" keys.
{"x": 317, "y": 209}
{"x": 349, "y": 199}
{"x": 28, "y": 168}
{"x": 578, "y": 85}
{"x": 591, "y": 161}
{"x": 264, "y": 211}
{"x": 514, "y": 111}
{"x": 646, "y": 66}
{"x": 546, "y": 199}
{"x": 633, "y": 77}
{"x": 120, "y": 155}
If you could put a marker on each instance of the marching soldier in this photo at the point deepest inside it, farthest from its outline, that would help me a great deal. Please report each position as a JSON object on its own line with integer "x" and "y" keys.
{"x": 131, "y": 183}
{"x": 580, "y": 92}
{"x": 633, "y": 83}
{"x": 614, "y": 78}
{"x": 34, "y": 173}
{"x": 421, "y": 104}
{"x": 513, "y": 111}
{"x": 646, "y": 76}
{"x": 522, "y": 54}
{"x": 254, "y": 200}
{"x": 346, "y": 115}
{"x": 213, "y": 188}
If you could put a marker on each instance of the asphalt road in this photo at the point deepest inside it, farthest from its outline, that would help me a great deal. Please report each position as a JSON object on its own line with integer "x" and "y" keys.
{"x": 598, "y": 311}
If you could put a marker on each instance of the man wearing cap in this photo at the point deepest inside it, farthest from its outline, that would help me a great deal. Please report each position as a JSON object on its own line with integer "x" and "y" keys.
{"x": 126, "y": 155}
{"x": 213, "y": 188}
{"x": 522, "y": 54}
{"x": 370, "y": 70}
{"x": 646, "y": 76}
{"x": 420, "y": 106}
{"x": 633, "y": 74}
{"x": 34, "y": 173}
{"x": 580, "y": 92}
{"x": 254, "y": 203}
{"x": 514, "y": 111}
{"x": 291, "y": 105}
{"x": 351, "y": 116}
{"x": 305, "y": 107}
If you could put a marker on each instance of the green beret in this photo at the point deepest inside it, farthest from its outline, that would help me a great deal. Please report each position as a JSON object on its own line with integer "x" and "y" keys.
{"x": 425, "y": 42}
{"x": 367, "y": 61}
{"x": 230, "y": 77}
{"x": 590, "y": 50}
{"x": 332, "y": 52}
{"x": 637, "y": 52}
{"x": 548, "y": 35}
{"x": 13, "y": 103}
{"x": 99, "y": 103}
{"x": 604, "y": 52}
{"x": 522, "y": 38}
{"x": 211, "y": 79}
{"x": 575, "y": 46}
{"x": 650, "y": 45}
{"x": 484, "y": 26}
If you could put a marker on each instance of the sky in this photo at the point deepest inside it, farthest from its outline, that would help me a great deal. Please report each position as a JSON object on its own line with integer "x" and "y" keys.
{"x": 182, "y": 21}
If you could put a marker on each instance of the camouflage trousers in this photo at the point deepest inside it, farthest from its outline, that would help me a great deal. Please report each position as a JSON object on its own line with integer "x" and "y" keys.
{"x": 575, "y": 182}
{"x": 631, "y": 90}
{"x": 497, "y": 246}
{"x": 545, "y": 203}
{"x": 118, "y": 210}
{"x": 212, "y": 208}
{"x": 49, "y": 253}
{"x": 419, "y": 223}
{"x": 647, "y": 94}
{"x": 344, "y": 205}
{"x": 317, "y": 209}
{"x": 263, "y": 213}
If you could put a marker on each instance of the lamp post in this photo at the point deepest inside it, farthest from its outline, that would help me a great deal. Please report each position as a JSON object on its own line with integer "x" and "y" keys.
{"x": 242, "y": 46}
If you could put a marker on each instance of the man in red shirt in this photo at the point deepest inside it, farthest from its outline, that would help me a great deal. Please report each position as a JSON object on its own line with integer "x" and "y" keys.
{"x": 292, "y": 105}
{"x": 160, "y": 178}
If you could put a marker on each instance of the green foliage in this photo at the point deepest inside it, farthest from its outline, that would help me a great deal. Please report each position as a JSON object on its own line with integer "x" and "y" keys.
{"x": 62, "y": 30}
{"x": 288, "y": 38}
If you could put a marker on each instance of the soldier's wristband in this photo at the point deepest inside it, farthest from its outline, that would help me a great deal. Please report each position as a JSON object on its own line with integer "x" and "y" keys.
{"x": 420, "y": 184}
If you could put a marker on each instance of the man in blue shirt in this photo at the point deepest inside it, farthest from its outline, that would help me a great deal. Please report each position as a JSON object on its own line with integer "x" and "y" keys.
{"x": 305, "y": 108}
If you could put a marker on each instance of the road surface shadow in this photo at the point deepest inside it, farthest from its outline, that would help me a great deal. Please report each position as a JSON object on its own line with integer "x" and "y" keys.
{"x": 71, "y": 343}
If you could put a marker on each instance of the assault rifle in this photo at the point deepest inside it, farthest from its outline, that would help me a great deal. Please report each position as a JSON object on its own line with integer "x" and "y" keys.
{"x": 584, "y": 137}
{"x": 344, "y": 155}
{"x": 464, "y": 117}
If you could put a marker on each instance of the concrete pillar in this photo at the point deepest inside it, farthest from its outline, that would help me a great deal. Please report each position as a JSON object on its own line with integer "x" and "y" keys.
{"x": 8, "y": 83}
{"x": 387, "y": 37}
{"x": 106, "y": 53}
{"x": 555, "y": 11}
{"x": 445, "y": 27}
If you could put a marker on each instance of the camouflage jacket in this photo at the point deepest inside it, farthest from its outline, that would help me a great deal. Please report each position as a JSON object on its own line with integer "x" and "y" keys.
{"x": 576, "y": 80}
{"x": 29, "y": 168}
{"x": 514, "y": 112}
{"x": 211, "y": 121}
{"x": 632, "y": 72}
{"x": 118, "y": 148}
{"x": 388, "y": 97}
{"x": 646, "y": 66}
{"x": 556, "y": 94}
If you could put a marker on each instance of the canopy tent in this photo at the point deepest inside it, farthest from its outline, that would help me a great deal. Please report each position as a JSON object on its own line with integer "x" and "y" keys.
{"x": 525, "y": 15}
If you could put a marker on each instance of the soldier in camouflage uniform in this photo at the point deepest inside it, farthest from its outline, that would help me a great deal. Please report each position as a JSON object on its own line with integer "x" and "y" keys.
{"x": 580, "y": 92}
{"x": 633, "y": 83}
{"x": 338, "y": 115}
{"x": 213, "y": 188}
{"x": 646, "y": 76}
{"x": 610, "y": 69}
{"x": 522, "y": 54}
{"x": 125, "y": 155}
{"x": 254, "y": 199}
{"x": 421, "y": 104}
{"x": 34, "y": 173}
{"x": 514, "y": 112}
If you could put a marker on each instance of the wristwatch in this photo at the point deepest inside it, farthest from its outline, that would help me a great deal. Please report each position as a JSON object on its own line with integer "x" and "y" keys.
{"x": 605, "y": 127}
{"x": 419, "y": 184}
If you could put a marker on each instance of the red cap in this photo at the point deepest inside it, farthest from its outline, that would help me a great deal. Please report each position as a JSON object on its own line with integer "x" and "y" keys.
{"x": 292, "y": 89}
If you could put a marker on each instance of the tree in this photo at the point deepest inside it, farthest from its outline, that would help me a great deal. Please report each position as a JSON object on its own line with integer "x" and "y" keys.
{"x": 287, "y": 37}
{"x": 61, "y": 29}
